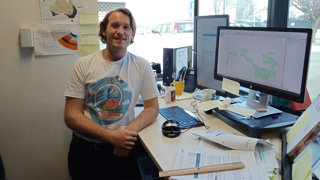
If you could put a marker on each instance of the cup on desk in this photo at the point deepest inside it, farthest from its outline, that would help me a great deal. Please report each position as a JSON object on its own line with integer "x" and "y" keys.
{"x": 169, "y": 94}
{"x": 179, "y": 85}
{"x": 208, "y": 94}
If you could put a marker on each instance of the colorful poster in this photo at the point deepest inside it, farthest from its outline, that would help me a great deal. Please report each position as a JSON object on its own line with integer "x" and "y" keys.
{"x": 62, "y": 11}
{"x": 56, "y": 39}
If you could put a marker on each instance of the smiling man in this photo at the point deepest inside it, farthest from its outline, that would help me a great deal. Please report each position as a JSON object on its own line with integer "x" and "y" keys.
{"x": 100, "y": 98}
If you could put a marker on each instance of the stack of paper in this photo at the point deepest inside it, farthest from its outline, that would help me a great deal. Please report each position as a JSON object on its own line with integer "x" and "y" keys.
{"x": 263, "y": 151}
{"x": 198, "y": 156}
{"x": 304, "y": 130}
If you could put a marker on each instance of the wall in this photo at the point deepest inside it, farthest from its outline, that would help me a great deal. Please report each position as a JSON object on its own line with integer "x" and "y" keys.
{"x": 33, "y": 137}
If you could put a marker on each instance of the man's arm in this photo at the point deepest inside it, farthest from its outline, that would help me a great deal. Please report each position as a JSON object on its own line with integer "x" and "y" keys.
{"x": 77, "y": 121}
{"x": 147, "y": 116}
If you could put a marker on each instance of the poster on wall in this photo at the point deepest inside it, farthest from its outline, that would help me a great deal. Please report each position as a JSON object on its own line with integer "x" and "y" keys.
{"x": 62, "y": 11}
{"x": 56, "y": 39}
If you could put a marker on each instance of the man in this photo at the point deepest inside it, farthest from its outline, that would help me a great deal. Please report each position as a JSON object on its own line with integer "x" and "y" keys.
{"x": 100, "y": 100}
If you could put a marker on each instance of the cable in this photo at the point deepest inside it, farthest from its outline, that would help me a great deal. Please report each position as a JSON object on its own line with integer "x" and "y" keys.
{"x": 194, "y": 106}
{"x": 186, "y": 130}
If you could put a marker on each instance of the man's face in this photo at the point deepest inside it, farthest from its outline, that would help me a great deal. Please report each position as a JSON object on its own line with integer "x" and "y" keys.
{"x": 118, "y": 31}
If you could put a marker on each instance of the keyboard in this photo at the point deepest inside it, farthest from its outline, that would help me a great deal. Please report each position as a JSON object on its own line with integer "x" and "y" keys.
{"x": 185, "y": 118}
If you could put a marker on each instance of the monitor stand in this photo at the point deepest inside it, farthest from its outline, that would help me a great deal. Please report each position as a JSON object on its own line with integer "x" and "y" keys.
{"x": 263, "y": 120}
{"x": 260, "y": 104}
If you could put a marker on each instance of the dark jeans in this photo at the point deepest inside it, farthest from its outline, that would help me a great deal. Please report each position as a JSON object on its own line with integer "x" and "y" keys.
{"x": 88, "y": 160}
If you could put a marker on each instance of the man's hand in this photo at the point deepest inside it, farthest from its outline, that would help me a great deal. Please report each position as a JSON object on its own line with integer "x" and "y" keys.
{"x": 123, "y": 138}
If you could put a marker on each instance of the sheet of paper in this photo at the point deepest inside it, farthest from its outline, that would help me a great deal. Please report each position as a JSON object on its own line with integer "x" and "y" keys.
{"x": 230, "y": 86}
{"x": 243, "y": 111}
{"x": 208, "y": 105}
{"x": 88, "y": 18}
{"x": 267, "y": 156}
{"x": 88, "y": 39}
{"x": 301, "y": 122}
{"x": 302, "y": 168}
{"x": 181, "y": 58}
{"x": 55, "y": 39}
{"x": 300, "y": 139}
{"x": 87, "y": 49}
{"x": 61, "y": 11}
{"x": 230, "y": 140}
{"x": 198, "y": 156}
{"x": 89, "y": 29}
{"x": 314, "y": 146}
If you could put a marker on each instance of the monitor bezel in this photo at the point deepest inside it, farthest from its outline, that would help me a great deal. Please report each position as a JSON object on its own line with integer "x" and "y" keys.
{"x": 261, "y": 87}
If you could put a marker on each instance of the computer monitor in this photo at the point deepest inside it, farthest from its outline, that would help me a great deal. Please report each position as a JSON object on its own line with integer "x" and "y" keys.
{"x": 205, "y": 35}
{"x": 269, "y": 60}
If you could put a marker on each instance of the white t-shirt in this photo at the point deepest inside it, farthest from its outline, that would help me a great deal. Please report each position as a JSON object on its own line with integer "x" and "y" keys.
{"x": 111, "y": 89}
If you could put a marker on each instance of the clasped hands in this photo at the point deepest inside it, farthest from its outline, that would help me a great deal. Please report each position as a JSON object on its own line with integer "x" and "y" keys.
{"x": 124, "y": 140}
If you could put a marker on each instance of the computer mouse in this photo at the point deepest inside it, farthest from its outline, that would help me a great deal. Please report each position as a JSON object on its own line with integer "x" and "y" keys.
{"x": 171, "y": 128}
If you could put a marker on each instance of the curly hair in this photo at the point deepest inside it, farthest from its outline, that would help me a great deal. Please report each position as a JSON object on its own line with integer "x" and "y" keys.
{"x": 105, "y": 21}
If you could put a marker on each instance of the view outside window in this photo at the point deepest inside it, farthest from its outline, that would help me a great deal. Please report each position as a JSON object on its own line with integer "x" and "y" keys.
{"x": 160, "y": 24}
{"x": 306, "y": 14}
{"x": 169, "y": 23}
{"x": 242, "y": 13}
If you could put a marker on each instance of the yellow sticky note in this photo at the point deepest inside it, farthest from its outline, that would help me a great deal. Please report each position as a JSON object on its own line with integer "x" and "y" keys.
{"x": 301, "y": 169}
{"x": 89, "y": 39}
{"x": 208, "y": 105}
{"x": 89, "y": 29}
{"x": 87, "y": 49}
{"x": 88, "y": 18}
{"x": 230, "y": 86}
{"x": 300, "y": 123}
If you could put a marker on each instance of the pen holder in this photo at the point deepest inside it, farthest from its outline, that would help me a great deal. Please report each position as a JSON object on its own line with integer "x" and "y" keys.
{"x": 179, "y": 85}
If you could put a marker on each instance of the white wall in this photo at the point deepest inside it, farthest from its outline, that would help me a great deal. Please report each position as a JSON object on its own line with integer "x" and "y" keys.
{"x": 34, "y": 140}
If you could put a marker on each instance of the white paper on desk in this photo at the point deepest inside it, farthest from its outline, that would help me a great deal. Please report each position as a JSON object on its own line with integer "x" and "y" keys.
{"x": 198, "y": 156}
{"x": 209, "y": 105}
{"x": 267, "y": 156}
{"x": 231, "y": 140}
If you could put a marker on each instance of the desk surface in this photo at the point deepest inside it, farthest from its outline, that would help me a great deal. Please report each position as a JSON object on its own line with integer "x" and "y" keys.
{"x": 163, "y": 150}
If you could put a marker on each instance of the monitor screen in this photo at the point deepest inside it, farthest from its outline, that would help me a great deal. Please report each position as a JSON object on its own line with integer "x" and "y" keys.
{"x": 270, "y": 60}
{"x": 205, "y": 36}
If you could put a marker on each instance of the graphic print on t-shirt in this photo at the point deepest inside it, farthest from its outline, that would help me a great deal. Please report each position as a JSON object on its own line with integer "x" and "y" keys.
{"x": 108, "y": 100}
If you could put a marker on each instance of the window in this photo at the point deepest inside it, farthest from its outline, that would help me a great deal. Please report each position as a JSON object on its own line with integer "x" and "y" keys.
{"x": 160, "y": 24}
{"x": 242, "y": 13}
{"x": 306, "y": 14}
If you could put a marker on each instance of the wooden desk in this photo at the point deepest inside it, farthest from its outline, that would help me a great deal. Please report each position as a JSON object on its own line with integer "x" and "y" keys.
{"x": 163, "y": 150}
